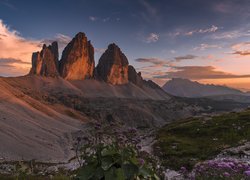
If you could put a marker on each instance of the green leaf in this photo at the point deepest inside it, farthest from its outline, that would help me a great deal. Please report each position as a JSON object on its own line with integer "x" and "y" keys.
{"x": 99, "y": 173}
{"x": 130, "y": 170}
{"x": 115, "y": 174}
{"x": 120, "y": 174}
{"x": 108, "y": 152}
{"x": 156, "y": 177}
{"x": 107, "y": 162}
{"x": 144, "y": 172}
{"x": 87, "y": 172}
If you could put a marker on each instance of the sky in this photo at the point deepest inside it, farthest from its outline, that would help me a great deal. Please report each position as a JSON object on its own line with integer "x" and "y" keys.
{"x": 202, "y": 40}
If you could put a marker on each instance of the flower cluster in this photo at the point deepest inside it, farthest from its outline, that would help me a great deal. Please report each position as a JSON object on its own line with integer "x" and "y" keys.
{"x": 224, "y": 168}
{"x": 112, "y": 151}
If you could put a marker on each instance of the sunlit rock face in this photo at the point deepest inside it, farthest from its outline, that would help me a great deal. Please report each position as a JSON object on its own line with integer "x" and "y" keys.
{"x": 45, "y": 62}
{"x": 77, "y": 61}
{"x": 134, "y": 77}
{"x": 113, "y": 66}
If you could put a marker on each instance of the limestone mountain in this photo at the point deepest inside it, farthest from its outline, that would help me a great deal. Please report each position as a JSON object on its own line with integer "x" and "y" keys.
{"x": 45, "y": 62}
{"x": 134, "y": 77}
{"x": 77, "y": 61}
{"x": 113, "y": 66}
{"x": 186, "y": 88}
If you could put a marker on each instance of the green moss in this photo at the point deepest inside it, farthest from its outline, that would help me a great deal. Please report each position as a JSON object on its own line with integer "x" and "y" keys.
{"x": 184, "y": 143}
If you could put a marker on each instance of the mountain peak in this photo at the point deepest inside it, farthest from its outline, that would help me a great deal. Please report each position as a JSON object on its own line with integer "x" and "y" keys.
{"x": 187, "y": 88}
{"x": 45, "y": 62}
{"x": 113, "y": 66}
{"x": 77, "y": 61}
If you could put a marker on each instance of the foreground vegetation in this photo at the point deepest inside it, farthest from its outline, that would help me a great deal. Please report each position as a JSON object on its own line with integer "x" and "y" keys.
{"x": 111, "y": 151}
{"x": 184, "y": 143}
{"x": 114, "y": 154}
{"x": 108, "y": 151}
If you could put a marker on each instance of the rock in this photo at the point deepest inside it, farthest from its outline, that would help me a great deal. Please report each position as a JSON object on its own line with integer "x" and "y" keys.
{"x": 134, "y": 77}
{"x": 45, "y": 62}
{"x": 171, "y": 174}
{"x": 113, "y": 66}
{"x": 77, "y": 61}
{"x": 151, "y": 84}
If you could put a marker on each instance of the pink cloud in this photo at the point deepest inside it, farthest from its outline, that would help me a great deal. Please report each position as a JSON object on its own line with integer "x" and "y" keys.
{"x": 14, "y": 46}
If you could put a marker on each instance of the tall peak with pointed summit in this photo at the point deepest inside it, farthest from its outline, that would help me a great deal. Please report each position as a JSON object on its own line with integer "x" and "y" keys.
{"x": 77, "y": 61}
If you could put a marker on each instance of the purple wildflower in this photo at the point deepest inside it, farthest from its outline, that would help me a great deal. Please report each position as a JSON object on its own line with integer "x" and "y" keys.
{"x": 226, "y": 174}
{"x": 141, "y": 162}
{"x": 183, "y": 169}
{"x": 247, "y": 173}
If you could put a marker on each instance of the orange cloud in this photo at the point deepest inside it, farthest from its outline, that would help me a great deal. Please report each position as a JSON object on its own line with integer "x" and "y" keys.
{"x": 242, "y": 49}
{"x": 17, "y": 48}
{"x": 199, "y": 72}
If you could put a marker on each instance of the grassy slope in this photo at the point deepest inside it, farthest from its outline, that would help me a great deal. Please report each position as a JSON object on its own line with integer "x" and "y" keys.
{"x": 185, "y": 143}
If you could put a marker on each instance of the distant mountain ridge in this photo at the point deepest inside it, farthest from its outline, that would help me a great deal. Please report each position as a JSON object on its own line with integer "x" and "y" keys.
{"x": 187, "y": 88}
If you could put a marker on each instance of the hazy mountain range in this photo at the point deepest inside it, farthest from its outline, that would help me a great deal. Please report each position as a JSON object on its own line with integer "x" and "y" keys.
{"x": 187, "y": 88}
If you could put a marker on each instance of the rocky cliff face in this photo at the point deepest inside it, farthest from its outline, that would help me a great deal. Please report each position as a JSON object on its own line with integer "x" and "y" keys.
{"x": 113, "y": 66}
{"x": 77, "y": 61}
{"x": 134, "y": 77}
{"x": 45, "y": 62}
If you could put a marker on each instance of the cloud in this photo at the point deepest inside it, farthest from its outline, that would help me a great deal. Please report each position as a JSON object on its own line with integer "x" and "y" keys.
{"x": 12, "y": 62}
{"x": 8, "y": 4}
{"x": 213, "y": 28}
{"x": 149, "y": 8}
{"x": 16, "y": 51}
{"x": 182, "y": 32}
{"x": 186, "y": 57}
{"x": 203, "y": 47}
{"x": 242, "y": 49}
{"x": 62, "y": 40}
{"x": 198, "y": 73}
{"x": 14, "y": 46}
{"x": 172, "y": 51}
{"x": 151, "y": 38}
{"x": 222, "y": 7}
{"x": 154, "y": 61}
{"x": 231, "y": 34}
{"x": 149, "y": 12}
{"x": 93, "y": 18}
{"x": 100, "y": 50}
{"x": 106, "y": 19}
{"x": 242, "y": 53}
{"x": 157, "y": 62}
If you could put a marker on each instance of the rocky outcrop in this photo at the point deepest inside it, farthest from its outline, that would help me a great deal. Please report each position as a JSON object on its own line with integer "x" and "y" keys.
{"x": 151, "y": 84}
{"x": 113, "y": 66}
{"x": 45, "y": 62}
{"x": 77, "y": 61}
{"x": 134, "y": 77}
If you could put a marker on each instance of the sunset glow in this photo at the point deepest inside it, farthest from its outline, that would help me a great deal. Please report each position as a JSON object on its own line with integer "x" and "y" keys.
{"x": 200, "y": 34}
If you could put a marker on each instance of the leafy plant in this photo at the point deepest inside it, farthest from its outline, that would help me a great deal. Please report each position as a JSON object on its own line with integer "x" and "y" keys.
{"x": 113, "y": 154}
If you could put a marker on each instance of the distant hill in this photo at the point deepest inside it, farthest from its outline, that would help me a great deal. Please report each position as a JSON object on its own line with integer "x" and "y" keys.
{"x": 186, "y": 88}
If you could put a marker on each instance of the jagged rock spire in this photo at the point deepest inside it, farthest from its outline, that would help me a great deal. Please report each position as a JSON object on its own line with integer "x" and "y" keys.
{"x": 45, "y": 62}
{"x": 113, "y": 66}
{"x": 77, "y": 61}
